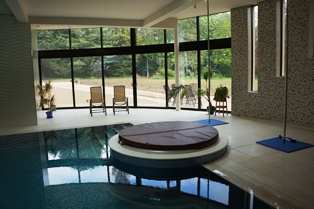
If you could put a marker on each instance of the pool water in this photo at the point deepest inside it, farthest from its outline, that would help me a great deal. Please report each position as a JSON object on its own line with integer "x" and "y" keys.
{"x": 72, "y": 168}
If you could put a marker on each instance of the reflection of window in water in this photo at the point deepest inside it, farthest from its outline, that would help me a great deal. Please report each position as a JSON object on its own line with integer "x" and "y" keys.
{"x": 60, "y": 144}
{"x": 118, "y": 176}
{"x": 213, "y": 190}
{"x": 154, "y": 183}
{"x": 83, "y": 143}
{"x": 62, "y": 175}
{"x": 189, "y": 186}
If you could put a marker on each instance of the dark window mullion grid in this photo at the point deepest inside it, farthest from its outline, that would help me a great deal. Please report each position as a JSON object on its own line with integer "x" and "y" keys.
{"x": 40, "y": 75}
{"x": 103, "y": 70}
{"x": 199, "y": 98}
{"x": 72, "y": 70}
{"x": 198, "y": 45}
{"x": 166, "y": 70}
{"x": 133, "y": 46}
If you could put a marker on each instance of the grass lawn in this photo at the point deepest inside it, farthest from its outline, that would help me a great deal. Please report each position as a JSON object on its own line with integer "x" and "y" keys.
{"x": 150, "y": 84}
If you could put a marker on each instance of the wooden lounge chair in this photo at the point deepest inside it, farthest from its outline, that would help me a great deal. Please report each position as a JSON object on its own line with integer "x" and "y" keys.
{"x": 96, "y": 100}
{"x": 120, "y": 100}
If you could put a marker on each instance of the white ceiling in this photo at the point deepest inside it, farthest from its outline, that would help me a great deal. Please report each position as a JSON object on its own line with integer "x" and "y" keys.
{"x": 216, "y": 6}
{"x": 135, "y": 13}
{"x": 114, "y": 9}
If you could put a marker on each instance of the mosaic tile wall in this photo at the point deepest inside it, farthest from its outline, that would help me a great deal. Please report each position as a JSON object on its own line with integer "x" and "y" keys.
{"x": 17, "y": 103}
{"x": 267, "y": 103}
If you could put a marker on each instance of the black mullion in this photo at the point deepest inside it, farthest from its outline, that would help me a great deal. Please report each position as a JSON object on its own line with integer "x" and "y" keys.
{"x": 40, "y": 75}
{"x": 70, "y": 38}
{"x": 72, "y": 70}
{"x": 199, "y": 86}
{"x": 101, "y": 38}
{"x": 72, "y": 78}
{"x": 224, "y": 43}
{"x": 166, "y": 69}
{"x": 133, "y": 45}
{"x": 103, "y": 83}
{"x": 103, "y": 71}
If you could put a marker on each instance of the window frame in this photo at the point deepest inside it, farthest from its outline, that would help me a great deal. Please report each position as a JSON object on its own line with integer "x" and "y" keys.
{"x": 133, "y": 50}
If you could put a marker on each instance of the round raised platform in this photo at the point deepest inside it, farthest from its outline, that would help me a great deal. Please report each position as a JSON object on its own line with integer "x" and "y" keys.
{"x": 176, "y": 135}
{"x": 166, "y": 159}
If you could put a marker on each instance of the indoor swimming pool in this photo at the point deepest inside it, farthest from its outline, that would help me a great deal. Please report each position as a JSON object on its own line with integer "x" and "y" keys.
{"x": 73, "y": 168}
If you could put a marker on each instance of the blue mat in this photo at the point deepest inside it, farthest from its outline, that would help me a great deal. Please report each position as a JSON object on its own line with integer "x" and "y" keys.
{"x": 288, "y": 146}
{"x": 211, "y": 122}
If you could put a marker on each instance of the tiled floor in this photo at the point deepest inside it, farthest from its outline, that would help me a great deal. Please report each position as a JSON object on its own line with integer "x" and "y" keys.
{"x": 279, "y": 178}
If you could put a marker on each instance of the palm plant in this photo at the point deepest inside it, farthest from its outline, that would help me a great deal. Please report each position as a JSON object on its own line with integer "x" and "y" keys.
{"x": 47, "y": 99}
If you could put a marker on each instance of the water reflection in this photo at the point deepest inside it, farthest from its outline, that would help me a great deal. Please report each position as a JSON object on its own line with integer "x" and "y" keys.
{"x": 73, "y": 169}
{"x": 82, "y": 156}
{"x": 82, "y": 143}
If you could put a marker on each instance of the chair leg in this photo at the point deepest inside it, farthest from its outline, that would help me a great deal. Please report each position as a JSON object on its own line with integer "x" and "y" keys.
{"x": 113, "y": 109}
{"x": 90, "y": 109}
{"x": 127, "y": 107}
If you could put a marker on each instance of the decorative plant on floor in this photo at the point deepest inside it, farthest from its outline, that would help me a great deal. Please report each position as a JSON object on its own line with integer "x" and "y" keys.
{"x": 206, "y": 93}
{"x": 47, "y": 99}
{"x": 221, "y": 94}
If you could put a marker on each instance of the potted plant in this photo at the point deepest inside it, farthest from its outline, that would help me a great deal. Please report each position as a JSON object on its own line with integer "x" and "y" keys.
{"x": 221, "y": 94}
{"x": 206, "y": 94}
{"x": 47, "y": 99}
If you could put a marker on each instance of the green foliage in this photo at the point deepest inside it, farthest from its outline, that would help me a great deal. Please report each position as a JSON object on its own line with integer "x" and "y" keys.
{"x": 149, "y": 36}
{"x": 150, "y": 65}
{"x": 85, "y": 38}
{"x": 219, "y": 26}
{"x": 187, "y": 29}
{"x": 221, "y": 94}
{"x": 116, "y": 37}
{"x": 53, "y": 39}
{"x": 118, "y": 66}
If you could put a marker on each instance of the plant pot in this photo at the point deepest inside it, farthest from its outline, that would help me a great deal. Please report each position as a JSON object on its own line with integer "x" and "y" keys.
{"x": 211, "y": 110}
{"x": 49, "y": 114}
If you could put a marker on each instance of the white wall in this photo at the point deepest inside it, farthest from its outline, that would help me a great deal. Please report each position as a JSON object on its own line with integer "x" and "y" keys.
{"x": 17, "y": 96}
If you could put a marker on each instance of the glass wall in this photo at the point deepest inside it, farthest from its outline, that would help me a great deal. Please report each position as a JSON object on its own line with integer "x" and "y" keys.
{"x": 219, "y": 24}
{"x": 87, "y": 73}
{"x": 150, "y": 72}
{"x": 132, "y": 64}
{"x": 171, "y": 78}
{"x": 85, "y": 38}
{"x": 170, "y": 36}
{"x": 149, "y": 36}
{"x": 221, "y": 73}
{"x": 187, "y": 30}
{"x": 53, "y": 39}
{"x": 116, "y": 37}
{"x": 58, "y": 71}
{"x": 118, "y": 71}
{"x": 188, "y": 73}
